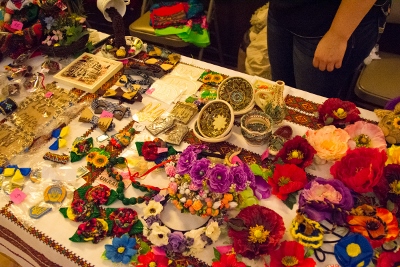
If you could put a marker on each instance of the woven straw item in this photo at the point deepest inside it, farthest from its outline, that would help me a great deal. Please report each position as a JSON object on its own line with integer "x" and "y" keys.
{"x": 65, "y": 50}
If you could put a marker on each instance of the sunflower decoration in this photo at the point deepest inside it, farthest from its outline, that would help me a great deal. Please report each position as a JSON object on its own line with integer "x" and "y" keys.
{"x": 98, "y": 157}
{"x": 212, "y": 78}
{"x": 378, "y": 225}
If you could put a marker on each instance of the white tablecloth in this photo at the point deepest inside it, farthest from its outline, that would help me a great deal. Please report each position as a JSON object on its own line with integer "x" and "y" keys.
{"x": 47, "y": 243}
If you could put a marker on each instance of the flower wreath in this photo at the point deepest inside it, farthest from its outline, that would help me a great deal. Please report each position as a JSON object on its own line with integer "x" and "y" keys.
{"x": 176, "y": 242}
{"x": 200, "y": 187}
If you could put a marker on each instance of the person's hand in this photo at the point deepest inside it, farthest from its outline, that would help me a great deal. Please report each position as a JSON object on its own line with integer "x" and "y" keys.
{"x": 330, "y": 52}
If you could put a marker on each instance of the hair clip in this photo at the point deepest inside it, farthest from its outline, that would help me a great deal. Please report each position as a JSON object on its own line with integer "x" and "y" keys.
{"x": 59, "y": 134}
{"x": 121, "y": 95}
{"x": 105, "y": 124}
{"x": 118, "y": 111}
{"x": 8, "y": 106}
{"x": 63, "y": 159}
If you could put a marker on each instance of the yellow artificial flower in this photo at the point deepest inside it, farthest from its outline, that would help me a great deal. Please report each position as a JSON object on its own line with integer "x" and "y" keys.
{"x": 393, "y": 155}
{"x": 100, "y": 161}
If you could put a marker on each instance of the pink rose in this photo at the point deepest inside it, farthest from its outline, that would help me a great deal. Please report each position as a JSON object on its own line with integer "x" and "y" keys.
{"x": 170, "y": 170}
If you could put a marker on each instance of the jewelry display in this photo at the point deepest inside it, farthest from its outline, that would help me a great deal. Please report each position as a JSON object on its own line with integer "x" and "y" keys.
{"x": 160, "y": 125}
{"x": 12, "y": 142}
{"x": 118, "y": 111}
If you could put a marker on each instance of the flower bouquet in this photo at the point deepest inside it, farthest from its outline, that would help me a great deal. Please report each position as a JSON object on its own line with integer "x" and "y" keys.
{"x": 199, "y": 186}
{"x": 64, "y": 34}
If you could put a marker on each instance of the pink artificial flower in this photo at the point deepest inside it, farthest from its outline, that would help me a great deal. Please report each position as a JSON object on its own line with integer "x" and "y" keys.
{"x": 364, "y": 134}
{"x": 170, "y": 170}
{"x": 322, "y": 192}
{"x": 329, "y": 142}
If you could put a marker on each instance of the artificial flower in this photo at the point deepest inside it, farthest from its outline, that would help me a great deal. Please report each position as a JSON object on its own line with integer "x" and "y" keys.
{"x": 255, "y": 231}
{"x": 247, "y": 198}
{"x": 228, "y": 260}
{"x": 297, "y": 151}
{"x": 393, "y": 153}
{"x": 326, "y": 199}
{"x": 152, "y": 209}
{"x": 150, "y": 150}
{"x": 220, "y": 179}
{"x": 124, "y": 219}
{"x": 199, "y": 171}
{"x": 213, "y": 231}
{"x": 329, "y": 142}
{"x": 290, "y": 253}
{"x": 90, "y": 157}
{"x": 337, "y": 112}
{"x": 361, "y": 169}
{"x": 378, "y": 225}
{"x": 152, "y": 260}
{"x": 80, "y": 210}
{"x": 365, "y": 134}
{"x": 240, "y": 177}
{"x": 389, "y": 259}
{"x": 121, "y": 250}
{"x": 176, "y": 242}
{"x": 353, "y": 251}
{"x": 170, "y": 170}
{"x": 261, "y": 188}
{"x": 100, "y": 161}
{"x": 391, "y": 174}
{"x": 187, "y": 158}
{"x": 287, "y": 178}
{"x": 98, "y": 194}
{"x": 158, "y": 234}
{"x": 307, "y": 232}
{"x": 93, "y": 230}
{"x": 196, "y": 243}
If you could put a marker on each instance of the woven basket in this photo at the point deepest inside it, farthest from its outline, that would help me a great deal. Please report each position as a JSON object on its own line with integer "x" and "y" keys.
{"x": 65, "y": 50}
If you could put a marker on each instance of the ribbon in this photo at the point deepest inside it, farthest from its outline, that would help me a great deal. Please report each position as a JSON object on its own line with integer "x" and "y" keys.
{"x": 59, "y": 134}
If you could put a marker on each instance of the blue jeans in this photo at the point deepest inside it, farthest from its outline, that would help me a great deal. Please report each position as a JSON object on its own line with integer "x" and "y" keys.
{"x": 291, "y": 57}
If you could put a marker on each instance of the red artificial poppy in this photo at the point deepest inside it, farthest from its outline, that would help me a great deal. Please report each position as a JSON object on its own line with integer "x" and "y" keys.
{"x": 297, "y": 151}
{"x": 290, "y": 253}
{"x": 150, "y": 150}
{"x": 389, "y": 259}
{"x": 150, "y": 259}
{"x": 378, "y": 225}
{"x": 335, "y": 111}
{"x": 255, "y": 231}
{"x": 228, "y": 260}
{"x": 361, "y": 168}
{"x": 287, "y": 178}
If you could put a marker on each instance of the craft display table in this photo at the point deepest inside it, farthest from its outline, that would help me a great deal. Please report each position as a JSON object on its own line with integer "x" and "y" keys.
{"x": 46, "y": 242}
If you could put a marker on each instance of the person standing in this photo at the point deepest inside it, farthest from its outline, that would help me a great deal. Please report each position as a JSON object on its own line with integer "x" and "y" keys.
{"x": 317, "y": 45}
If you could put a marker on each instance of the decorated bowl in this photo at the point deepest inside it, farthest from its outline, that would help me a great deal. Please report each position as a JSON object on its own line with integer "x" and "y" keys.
{"x": 238, "y": 92}
{"x": 215, "y": 119}
{"x": 207, "y": 139}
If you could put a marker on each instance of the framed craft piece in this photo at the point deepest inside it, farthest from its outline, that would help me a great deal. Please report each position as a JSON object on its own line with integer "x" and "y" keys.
{"x": 88, "y": 72}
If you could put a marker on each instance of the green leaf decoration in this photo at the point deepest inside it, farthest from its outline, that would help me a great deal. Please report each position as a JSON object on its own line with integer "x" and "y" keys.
{"x": 76, "y": 238}
{"x": 309, "y": 253}
{"x": 237, "y": 224}
{"x": 139, "y": 146}
{"x": 144, "y": 247}
{"x": 217, "y": 255}
{"x": 328, "y": 121}
{"x": 110, "y": 226}
{"x": 109, "y": 211}
{"x": 64, "y": 212}
{"x": 103, "y": 256}
{"x": 82, "y": 191}
{"x": 112, "y": 198}
{"x": 137, "y": 228}
{"x": 291, "y": 200}
{"x": 75, "y": 157}
{"x": 96, "y": 213}
{"x": 258, "y": 170}
{"x": 171, "y": 151}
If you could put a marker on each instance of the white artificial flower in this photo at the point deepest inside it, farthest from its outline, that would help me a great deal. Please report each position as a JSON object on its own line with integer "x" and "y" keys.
{"x": 216, "y": 205}
{"x": 213, "y": 231}
{"x": 158, "y": 234}
{"x": 152, "y": 209}
{"x": 198, "y": 244}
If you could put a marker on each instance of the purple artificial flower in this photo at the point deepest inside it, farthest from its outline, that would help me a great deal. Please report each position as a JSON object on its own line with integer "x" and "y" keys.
{"x": 199, "y": 171}
{"x": 185, "y": 162}
{"x": 195, "y": 148}
{"x": 326, "y": 199}
{"x": 219, "y": 179}
{"x": 250, "y": 175}
{"x": 152, "y": 219}
{"x": 261, "y": 188}
{"x": 176, "y": 242}
{"x": 239, "y": 177}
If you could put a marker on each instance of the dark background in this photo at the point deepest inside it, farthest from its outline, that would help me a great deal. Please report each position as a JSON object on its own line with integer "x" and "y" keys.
{"x": 233, "y": 18}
